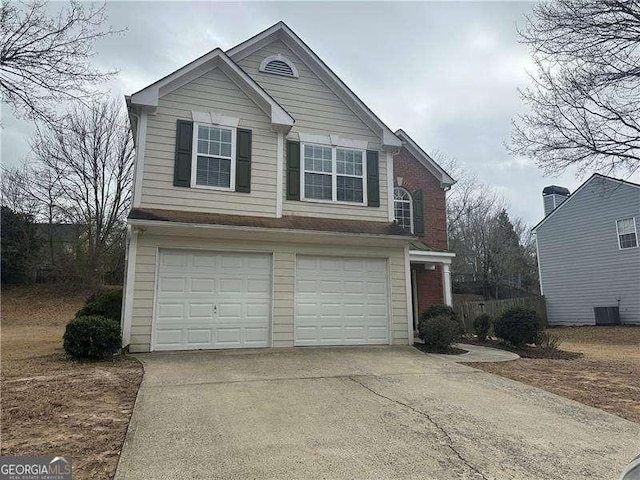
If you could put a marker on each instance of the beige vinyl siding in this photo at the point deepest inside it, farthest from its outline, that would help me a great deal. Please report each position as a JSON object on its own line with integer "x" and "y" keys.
{"x": 212, "y": 92}
{"x": 319, "y": 111}
{"x": 284, "y": 255}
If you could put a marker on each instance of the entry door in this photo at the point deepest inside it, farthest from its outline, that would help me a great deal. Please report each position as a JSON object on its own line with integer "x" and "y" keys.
{"x": 207, "y": 300}
{"x": 341, "y": 301}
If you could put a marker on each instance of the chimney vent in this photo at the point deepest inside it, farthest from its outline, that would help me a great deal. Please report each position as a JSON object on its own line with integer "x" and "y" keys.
{"x": 552, "y": 197}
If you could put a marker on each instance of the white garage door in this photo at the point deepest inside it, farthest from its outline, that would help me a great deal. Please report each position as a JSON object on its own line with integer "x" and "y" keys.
{"x": 212, "y": 300}
{"x": 341, "y": 301}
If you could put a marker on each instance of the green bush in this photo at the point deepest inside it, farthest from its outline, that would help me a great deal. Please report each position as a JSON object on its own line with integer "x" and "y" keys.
{"x": 437, "y": 310}
{"x": 107, "y": 303}
{"x": 518, "y": 326}
{"x": 91, "y": 337}
{"x": 482, "y": 325}
{"x": 439, "y": 332}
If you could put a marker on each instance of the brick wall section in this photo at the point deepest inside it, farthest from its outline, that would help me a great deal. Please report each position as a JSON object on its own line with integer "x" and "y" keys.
{"x": 415, "y": 176}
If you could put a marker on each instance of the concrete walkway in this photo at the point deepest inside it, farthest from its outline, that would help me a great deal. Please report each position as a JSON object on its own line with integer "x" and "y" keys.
{"x": 358, "y": 413}
{"x": 478, "y": 354}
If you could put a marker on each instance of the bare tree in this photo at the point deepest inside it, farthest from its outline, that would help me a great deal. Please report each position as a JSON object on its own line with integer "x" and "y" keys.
{"x": 46, "y": 59}
{"x": 583, "y": 101}
{"x": 91, "y": 152}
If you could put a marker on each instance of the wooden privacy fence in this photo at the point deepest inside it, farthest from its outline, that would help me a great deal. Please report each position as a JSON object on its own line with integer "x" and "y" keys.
{"x": 468, "y": 311}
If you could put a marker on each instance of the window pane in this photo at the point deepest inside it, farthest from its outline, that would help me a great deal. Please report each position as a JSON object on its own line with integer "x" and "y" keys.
{"x": 402, "y": 211}
{"x": 349, "y": 189}
{"x": 626, "y": 226}
{"x": 317, "y": 186}
{"x": 628, "y": 240}
{"x": 213, "y": 172}
{"x": 317, "y": 159}
{"x": 214, "y": 141}
{"x": 401, "y": 194}
{"x": 348, "y": 162}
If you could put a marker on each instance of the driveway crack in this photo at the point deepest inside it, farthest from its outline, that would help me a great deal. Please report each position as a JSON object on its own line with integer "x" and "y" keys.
{"x": 449, "y": 444}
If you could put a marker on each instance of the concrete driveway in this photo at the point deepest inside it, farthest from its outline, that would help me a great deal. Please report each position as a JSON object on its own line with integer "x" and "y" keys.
{"x": 358, "y": 413}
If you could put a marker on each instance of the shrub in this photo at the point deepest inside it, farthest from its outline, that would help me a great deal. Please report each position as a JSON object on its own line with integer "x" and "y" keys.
{"x": 91, "y": 337}
{"x": 482, "y": 325}
{"x": 518, "y": 326}
{"x": 107, "y": 303}
{"x": 437, "y": 310}
{"x": 548, "y": 341}
{"x": 439, "y": 332}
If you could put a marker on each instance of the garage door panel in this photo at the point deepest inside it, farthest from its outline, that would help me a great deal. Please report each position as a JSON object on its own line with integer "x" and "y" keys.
{"x": 208, "y": 300}
{"x": 341, "y": 301}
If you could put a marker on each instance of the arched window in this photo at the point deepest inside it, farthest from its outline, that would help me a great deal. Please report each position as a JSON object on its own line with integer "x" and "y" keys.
{"x": 279, "y": 65}
{"x": 403, "y": 208}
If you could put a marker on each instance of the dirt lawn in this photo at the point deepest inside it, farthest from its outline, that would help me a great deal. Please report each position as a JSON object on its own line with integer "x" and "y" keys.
{"x": 54, "y": 406}
{"x": 606, "y": 376}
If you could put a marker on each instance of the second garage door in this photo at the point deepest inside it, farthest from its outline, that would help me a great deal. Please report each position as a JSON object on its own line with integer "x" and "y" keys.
{"x": 341, "y": 301}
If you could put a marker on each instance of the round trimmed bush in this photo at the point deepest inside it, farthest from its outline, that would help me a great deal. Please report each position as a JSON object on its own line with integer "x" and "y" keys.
{"x": 107, "y": 303}
{"x": 518, "y": 326}
{"x": 438, "y": 309}
{"x": 439, "y": 332}
{"x": 482, "y": 325}
{"x": 91, "y": 337}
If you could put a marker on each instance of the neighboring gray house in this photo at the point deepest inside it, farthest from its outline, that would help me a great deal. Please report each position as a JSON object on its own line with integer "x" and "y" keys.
{"x": 588, "y": 252}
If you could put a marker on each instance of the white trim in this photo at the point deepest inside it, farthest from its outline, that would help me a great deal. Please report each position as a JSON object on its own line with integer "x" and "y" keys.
{"x": 315, "y": 64}
{"x": 446, "y": 285}
{"x": 573, "y": 195}
{"x": 423, "y": 256}
{"x": 129, "y": 283}
{"x": 279, "y": 174}
{"x": 281, "y": 58}
{"x": 635, "y": 232}
{"x": 414, "y": 293}
{"x": 141, "y": 140}
{"x": 195, "y": 154}
{"x": 390, "y": 204}
{"x": 389, "y": 300}
{"x": 214, "y": 118}
{"x": 408, "y": 291}
{"x": 148, "y": 96}
{"x": 424, "y": 158}
{"x": 333, "y": 140}
{"x": 334, "y": 176}
{"x": 156, "y": 276}
{"x": 539, "y": 266}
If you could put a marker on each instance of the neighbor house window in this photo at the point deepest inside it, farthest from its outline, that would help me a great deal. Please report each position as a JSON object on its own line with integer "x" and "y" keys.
{"x": 215, "y": 156}
{"x": 627, "y": 234}
{"x": 403, "y": 208}
{"x": 333, "y": 174}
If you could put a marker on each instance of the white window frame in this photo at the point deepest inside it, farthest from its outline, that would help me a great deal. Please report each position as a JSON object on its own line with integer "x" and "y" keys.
{"x": 334, "y": 175}
{"x": 410, "y": 205}
{"x": 195, "y": 154}
{"x": 635, "y": 231}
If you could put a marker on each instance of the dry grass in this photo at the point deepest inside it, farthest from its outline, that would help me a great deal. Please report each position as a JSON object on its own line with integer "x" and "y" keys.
{"x": 55, "y": 406}
{"x": 606, "y": 376}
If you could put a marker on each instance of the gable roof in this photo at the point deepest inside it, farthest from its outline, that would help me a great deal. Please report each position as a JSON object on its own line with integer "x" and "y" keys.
{"x": 424, "y": 158}
{"x": 216, "y": 58}
{"x": 282, "y": 32}
{"x": 573, "y": 195}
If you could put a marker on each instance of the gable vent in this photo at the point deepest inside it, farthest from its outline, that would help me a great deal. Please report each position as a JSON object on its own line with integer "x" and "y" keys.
{"x": 279, "y": 65}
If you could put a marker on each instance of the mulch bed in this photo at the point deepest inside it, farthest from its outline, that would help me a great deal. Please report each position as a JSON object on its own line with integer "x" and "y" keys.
{"x": 449, "y": 351}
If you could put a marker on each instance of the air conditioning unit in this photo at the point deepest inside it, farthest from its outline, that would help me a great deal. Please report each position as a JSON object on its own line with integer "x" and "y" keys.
{"x": 607, "y": 315}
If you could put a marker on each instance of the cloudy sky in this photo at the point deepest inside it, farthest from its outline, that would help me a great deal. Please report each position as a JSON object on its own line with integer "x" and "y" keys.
{"x": 446, "y": 73}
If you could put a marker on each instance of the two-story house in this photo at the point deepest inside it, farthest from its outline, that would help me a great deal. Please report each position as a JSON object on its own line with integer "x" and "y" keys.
{"x": 588, "y": 253}
{"x": 272, "y": 207}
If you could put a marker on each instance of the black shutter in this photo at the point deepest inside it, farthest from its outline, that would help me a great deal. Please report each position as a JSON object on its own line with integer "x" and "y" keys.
{"x": 373, "y": 179}
{"x": 184, "y": 141}
{"x": 243, "y": 161}
{"x": 418, "y": 212}
{"x": 293, "y": 170}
